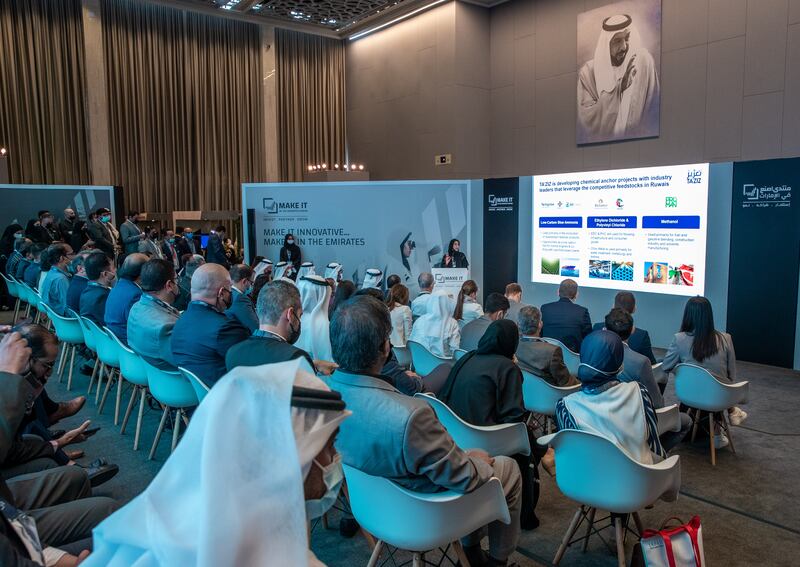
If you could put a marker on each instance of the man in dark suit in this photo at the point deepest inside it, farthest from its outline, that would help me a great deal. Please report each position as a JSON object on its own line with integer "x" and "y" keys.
{"x": 45, "y": 230}
{"x": 215, "y": 252}
{"x": 77, "y": 283}
{"x": 495, "y": 308}
{"x": 101, "y": 273}
{"x": 537, "y": 356}
{"x": 241, "y": 307}
{"x": 639, "y": 340}
{"x": 203, "y": 335}
{"x": 126, "y": 292}
{"x": 169, "y": 249}
{"x": 564, "y": 319}
{"x": 187, "y": 243}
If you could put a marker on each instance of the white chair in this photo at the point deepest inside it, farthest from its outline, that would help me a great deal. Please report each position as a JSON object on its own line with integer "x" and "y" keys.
{"x": 669, "y": 419}
{"x": 420, "y": 522}
{"x": 571, "y": 358}
{"x": 424, "y": 360}
{"x": 403, "y": 356}
{"x": 697, "y": 388}
{"x": 617, "y": 483}
{"x": 660, "y": 376}
{"x": 506, "y": 439}
{"x": 541, "y": 397}
{"x": 459, "y": 352}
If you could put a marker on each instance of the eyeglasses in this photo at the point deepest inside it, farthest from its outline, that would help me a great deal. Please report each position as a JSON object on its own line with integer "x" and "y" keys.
{"x": 47, "y": 365}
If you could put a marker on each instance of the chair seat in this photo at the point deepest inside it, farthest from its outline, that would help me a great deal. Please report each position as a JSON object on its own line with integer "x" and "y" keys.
{"x": 541, "y": 397}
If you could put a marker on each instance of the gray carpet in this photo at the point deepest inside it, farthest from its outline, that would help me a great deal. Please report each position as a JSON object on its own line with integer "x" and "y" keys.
{"x": 748, "y": 503}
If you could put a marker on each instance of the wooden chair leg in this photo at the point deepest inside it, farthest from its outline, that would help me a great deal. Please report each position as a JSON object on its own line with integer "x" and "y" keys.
{"x": 176, "y": 427}
{"x": 103, "y": 371}
{"x": 592, "y": 513}
{"x": 158, "y": 433}
{"x": 462, "y": 557}
{"x": 376, "y": 554}
{"x": 71, "y": 367}
{"x": 416, "y": 560}
{"x": 129, "y": 410}
{"x": 92, "y": 377}
{"x": 726, "y": 423}
{"x": 576, "y": 519}
{"x": 620, "y": 535}
{"x": 16, "y": 312}
{"x": 61, "y": 361}
{"x": 696, "y": 424}
{"x": 105, "y": 392}
{"x": 711, "y": 437}
{"x": 639, "y": 525}
{"x": 139, "y": 420}
{"x": 119, "y": 397}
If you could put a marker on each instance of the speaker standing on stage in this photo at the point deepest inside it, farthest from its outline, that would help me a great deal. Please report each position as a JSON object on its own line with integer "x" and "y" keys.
{"x": 454, "y": 257}
{"x": 290, "y": 252}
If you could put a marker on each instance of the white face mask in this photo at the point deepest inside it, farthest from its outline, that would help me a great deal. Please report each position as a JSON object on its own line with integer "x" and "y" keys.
{"x": 290, "y": 242}
{"x": 332, "y": 476}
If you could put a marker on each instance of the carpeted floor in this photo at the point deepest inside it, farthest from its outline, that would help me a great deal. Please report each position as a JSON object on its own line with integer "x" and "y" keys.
{"x": 748, "y": 503}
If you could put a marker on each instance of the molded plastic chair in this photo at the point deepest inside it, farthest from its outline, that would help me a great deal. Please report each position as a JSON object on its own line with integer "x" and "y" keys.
{"x": 13, "y": 291}
{"x": 132, "y": 368}
{"x": 403, "y": 357}
{"x": 459, "y": 352}
{"x": 90, "y": 341}
{"x": 420, "y": 522}
{"x": 618, "y": 484}
{"x": 669, "y": 419}
{"x": 70, "y": 333}
{"x": 200, "y": 388}
{"x": 173, "y": 391}
{"x": 659, "y": 375}
{"x": 541, "y": 397}
{"x": 424, "y": 360}
{"x": 699, "y": 389}
{"x": 108, "y": 353}
{"x": 571, "y": 358}
{"x": 506, "y": 439}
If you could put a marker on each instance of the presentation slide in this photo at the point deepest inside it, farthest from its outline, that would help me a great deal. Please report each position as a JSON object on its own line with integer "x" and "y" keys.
{"x": 635, "y": 229}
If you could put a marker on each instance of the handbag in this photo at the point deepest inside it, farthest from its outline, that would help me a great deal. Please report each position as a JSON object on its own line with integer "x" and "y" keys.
{"x": 677, "y": 546}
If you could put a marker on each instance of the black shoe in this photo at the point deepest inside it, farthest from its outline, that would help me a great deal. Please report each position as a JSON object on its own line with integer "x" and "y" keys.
{"x": 56, "y": 433}
{"x": 529, "y": 523}
{"x": 497, "y": 563}
{"x": 101, "y": 471}
{"x": 348, "y": 527}
{"x": 87, "y": 369}
{"x": 476, "y": 556}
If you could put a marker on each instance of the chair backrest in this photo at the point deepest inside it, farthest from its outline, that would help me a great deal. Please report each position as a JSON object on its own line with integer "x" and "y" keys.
{"x": 68, "y": 329}
{"x": 698, "y": 388}
{"x": 170, "y": 387}
{"x": 88, "y": 334}
{"x": 424, "y": 360}
{"x": 669, "y": 419}
{"x": 541, "y": 397}
{"x": 507, "y": 439}
{"x": 571, "y": 358}
{"x": 403, "y": 356}
{"x": 200, "y": 388}
{"x": 106, "y": 348}
{"x": 131, "y": 364}
{"x": 11, "y": 284}
{"x": 419, "y": 522}
{"x": 459, "y": 352}
{"x": 593, "y": 471}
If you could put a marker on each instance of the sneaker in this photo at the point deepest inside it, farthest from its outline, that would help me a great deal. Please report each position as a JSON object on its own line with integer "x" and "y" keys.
{"x": 721, "y": 441}
{"x": 737, "y": 416}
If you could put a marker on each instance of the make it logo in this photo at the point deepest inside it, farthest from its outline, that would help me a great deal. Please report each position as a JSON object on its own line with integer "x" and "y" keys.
{"x": 270, "y": 205}
{"x": 694, "y": 177}
{"x": 671, "y": 202}
{"x": 273, "y": 207}
{"x": 500, "y": 203}
{"x": 620, "y": 203}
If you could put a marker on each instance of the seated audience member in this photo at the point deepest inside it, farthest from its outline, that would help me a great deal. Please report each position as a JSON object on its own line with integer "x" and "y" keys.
{"x": 12, "y": 240}
{"x": 399, "y": 437}
{"x": 24, "y": 260}
{"x": 261, "y": 466}
{"x": 485, "y": 388}
{"x": 241, "y": 307}
{"x": 622, "y": 412}
{"x": 190, "y": 266}
{"x": 203, "y": 334}
{"x": 34, "y": 269}
{"x": 420, "y": 304}
{"x": 537, "y": 356}
{"x": 152, "y": 318}
{"x": 391, "y": 281}
{"x": 334, "y": 271}
{"x": 514, "y": 296}
{"x": 306, "y": 269}
{"x": 315, "y": 296}
{"x": 263, "y": 266}
{"x": 58, "y": 500}
{"x": 150, "y": 245}
{"x": 373, "y": 278}
{"x": 699, "y": 343}
{"x": 344, "y": 291}
{"x": 467, "y": 306}
{"x": 639, "y": 341}
{"x": 400, "y": 313}
{"x": 283, "y": 270}
{"x": 215, "y": 251}
{"x": 496, "y": 307}
{"x": 279, "y": 311}
{"x": 101, "y": 273}
{"x": 77, "y": 283}
{"x": 124, "y": 295}
{"x": 564, "y": 319}
{"x": 437, "y": 331}
{"x": 56, "y": 284}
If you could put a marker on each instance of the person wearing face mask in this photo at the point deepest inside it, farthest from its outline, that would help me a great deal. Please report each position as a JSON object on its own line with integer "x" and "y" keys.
{"x": 43, "y": 230}
{"x": 169, "y": 250}
{"x": 102, "y": 274}
{"x": 152, "y": 319}
{"x": 12, "y": 240}
{"x": 67, "y": 224}
{"x": 149, "y": 245}
{"x": 290, "y": 252}
{"x": 279, "y": 312}
{"x": 203, "y": 334}
{"x": 130, "y": 235}
{"x": 187, "y": 244}
{"x": 241, "y": 307}
{"x": 315, "y": 295}
{"x": 274, "y": 467}
{"x": 56, "y": 284}
{"x": 103, "y": 232}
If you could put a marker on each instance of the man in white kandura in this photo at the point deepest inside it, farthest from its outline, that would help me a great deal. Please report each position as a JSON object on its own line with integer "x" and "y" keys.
{"x": 618, "y": 90}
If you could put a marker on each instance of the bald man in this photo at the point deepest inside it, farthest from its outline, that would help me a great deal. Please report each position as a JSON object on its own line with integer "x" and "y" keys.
{"x": 203, "y": 334}
{"x": 123, "y": 295}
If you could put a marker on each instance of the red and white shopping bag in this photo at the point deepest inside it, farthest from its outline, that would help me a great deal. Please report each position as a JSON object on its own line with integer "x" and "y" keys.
{"x": 680, "y": 546}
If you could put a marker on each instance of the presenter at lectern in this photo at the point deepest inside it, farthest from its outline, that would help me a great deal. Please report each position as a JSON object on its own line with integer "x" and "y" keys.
{"x": 454, "y": 258}
{"x": 290, "y": 252}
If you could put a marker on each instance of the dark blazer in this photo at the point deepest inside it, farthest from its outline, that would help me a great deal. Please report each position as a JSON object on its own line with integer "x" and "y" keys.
{"x": 76, "y": 286}
{"x": 473, "y": 331}
{"x": 31, "y": 276}
{"x": 118, "y": 306}
{"x": 22, "y": 265}
{"x": 457, "y": 260}
{"x": 544, "y": 360}
{"x": 242, "y": 310}
{"x": 185, "y": 246}
{"x": 295, "y": 253}
{"x": 639, "y": 341}
{"x": 102, "y": 237}
{"x": 201, "y": 339}
{"x": 215, "y": 252}
{"x": 16, "y": 393}
{"x": 566, "y": 321}
{"x": 93, "y": 303}
{"x": 263, "y": 349}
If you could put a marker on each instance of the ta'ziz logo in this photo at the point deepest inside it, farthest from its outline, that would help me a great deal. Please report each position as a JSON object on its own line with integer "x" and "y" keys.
{"x": 694, "y": 177}
{"x": 671, "y": 202}
{"x": 620, "y": 204}
{"x": 270, "y": 205}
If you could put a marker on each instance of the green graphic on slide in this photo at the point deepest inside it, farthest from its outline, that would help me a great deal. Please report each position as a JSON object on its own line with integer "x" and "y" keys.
{"x": 551, "y": 266}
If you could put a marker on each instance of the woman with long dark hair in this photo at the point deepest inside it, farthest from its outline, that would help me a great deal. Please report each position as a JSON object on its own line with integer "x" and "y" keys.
{"x": 290, "y": 252}
{"x": 455, "y": 258}
{"x": 400, "y": 313}
{"x": 343, "y": 292}
{"x": 467, "y": 306}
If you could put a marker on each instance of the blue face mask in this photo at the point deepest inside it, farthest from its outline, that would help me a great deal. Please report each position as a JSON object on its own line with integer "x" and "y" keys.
{"x": 105, "y": 218}
{"x": 190, "y": 235}
{"x": 332, "y": 476}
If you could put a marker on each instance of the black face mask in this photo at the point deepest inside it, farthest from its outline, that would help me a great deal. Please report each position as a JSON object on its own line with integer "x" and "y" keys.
{"x": 294, "y": 334}
{"x": 389, "y": 355}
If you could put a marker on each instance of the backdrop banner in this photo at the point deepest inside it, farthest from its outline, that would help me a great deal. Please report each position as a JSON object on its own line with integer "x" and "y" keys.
{"x": 400, "y": 227}
{"x": 764, "y": 263}
{"x": 500, "y": 233}
{"x": 23, "y": 202}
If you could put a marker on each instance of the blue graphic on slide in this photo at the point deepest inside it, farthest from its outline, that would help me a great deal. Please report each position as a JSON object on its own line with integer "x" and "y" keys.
{"x": 560, "y": 222}
{"x": 690, "y": 221}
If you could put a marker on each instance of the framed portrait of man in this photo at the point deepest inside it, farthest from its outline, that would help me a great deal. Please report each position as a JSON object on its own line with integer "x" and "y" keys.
{"x": 619, "y": 67}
